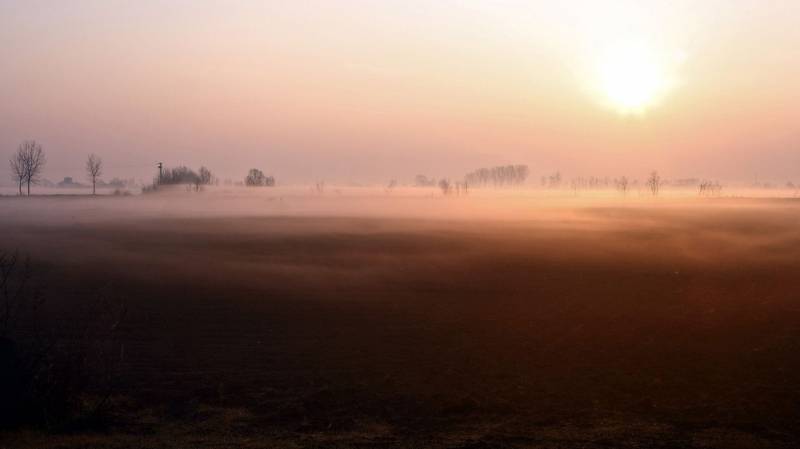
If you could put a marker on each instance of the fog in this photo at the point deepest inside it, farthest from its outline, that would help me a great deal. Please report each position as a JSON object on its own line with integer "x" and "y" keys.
{"x": 735, "y": 225}
{"x": 399, "y": 223}
{"x": 346, "y": 201}
{"x": 408, "y": 316}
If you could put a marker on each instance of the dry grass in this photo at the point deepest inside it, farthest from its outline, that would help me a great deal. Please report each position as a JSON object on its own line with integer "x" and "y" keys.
{"x": 632, "y": 325}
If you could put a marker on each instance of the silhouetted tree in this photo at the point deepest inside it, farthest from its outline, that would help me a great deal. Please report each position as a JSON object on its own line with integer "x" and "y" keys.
{"x": 445, "y": 186}
{"x": 256, "y": 178}
{"x": 424, "y": 181}
{"x": 94, "y": 168}
{"x": 32, "y": 159}
{"x": 179, "y": 175}
{"x": 710, "y": 188}
{"x": 205, "y": 176}
{"x": 17, "y": 165}
{"x": 498, "y": 176}
{"x": 654, "y": 182}
{"x": 553, "y": 181}
{"x": 622, "y": 184}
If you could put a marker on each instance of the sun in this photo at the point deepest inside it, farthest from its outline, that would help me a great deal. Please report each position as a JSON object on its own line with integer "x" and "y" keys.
{"x": 632, "y": 77}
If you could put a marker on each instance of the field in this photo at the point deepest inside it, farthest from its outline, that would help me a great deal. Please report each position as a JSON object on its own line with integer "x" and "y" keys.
{"x": 423, "y": 321}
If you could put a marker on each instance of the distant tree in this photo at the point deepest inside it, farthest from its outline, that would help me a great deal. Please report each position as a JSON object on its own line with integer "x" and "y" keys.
{"x": 17, "y": 165}
{"x": 622, "y": 184}
{"x": 33, "y": 160}
{"x": 94, "y": 168}
{"x": 654, "y": 182}
{"x": 256, "y": 178}
{"x": 424, "y": 181}
{"x": 498, "y": 176}
{"x": 204, "y": 178}
{"x": 553, "y": 181}
{"x": 445, "y": 186}
{"x": 179, "y": 175}
{"x": 710, "y": 188}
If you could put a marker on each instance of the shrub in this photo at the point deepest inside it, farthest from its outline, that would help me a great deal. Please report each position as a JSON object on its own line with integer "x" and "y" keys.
{"x": 54, "y": 378}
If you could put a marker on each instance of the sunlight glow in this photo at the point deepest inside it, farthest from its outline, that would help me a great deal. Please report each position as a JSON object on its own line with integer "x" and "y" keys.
{"x": 633, "y": 78}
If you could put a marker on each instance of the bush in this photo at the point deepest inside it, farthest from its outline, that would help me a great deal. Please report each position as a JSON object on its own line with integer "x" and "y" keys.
{"x": 54, "y": 378}
{"x": 256, "y": 178}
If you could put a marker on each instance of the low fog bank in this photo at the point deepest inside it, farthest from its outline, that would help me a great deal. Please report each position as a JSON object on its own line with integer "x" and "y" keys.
{"x": 592, "y": 228}
{"x": 420, "y": 203}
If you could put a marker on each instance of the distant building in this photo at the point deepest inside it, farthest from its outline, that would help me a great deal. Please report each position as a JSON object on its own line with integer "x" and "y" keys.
{"x": 69, "y": 183}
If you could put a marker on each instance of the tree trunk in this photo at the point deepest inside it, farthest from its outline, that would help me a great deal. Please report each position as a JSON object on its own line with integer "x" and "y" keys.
{"x": 94, "y": 188}
{"x": 29, "y": 187}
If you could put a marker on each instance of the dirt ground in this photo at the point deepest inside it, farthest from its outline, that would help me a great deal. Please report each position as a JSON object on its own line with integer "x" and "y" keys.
{"x": 585, "y": 325}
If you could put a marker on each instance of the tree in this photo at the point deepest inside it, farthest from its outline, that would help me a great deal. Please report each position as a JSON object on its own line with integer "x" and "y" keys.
{"x": 654, "y": 182}
{"x": 424, "y": 181}
{"x": 33, "y": 160}
{"x": 445, "y": 186}
{"x": 178, "y": 175}
{"x": 17, "y": 164}
{"x": 206, "y": 178}
{"x": 94, "y": 168}
{"x": 256, "y": 178}
{"x": 622, "y": 184}
{"x": 500, "y": 175}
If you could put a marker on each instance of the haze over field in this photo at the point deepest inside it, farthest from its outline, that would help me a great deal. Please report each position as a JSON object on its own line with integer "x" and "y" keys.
{"x": 399, "y": 224}
{"x": 357, "y": 91}
{"x": 366, "y": 320}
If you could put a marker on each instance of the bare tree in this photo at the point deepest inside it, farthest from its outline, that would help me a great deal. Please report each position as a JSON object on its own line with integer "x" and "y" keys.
{"x": 498, "y": 176}
{"x": 424, "y": 181}
{"x": 17, "y": 164}
{"x": 445, "y": 186}
{"x": 33, "y": 161}
{"x": 94, "y": 168}
{"x": 206, "y": 177}
{"x": 654, "y": 183}
{"x": 256, "y": 178}
{"x": 622, "y": 184}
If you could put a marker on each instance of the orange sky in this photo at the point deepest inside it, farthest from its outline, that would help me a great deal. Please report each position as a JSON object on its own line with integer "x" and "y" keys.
{"x": 368, "y": 91}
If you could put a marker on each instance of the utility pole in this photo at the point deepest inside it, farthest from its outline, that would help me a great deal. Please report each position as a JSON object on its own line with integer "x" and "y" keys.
{"x": 160, "y": 171}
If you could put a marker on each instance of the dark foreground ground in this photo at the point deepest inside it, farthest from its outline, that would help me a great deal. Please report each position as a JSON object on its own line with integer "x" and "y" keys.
{"x": 615, "y": 327}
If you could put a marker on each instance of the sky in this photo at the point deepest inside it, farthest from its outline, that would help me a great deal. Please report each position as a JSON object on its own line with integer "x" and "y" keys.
{"x": 366, "y": 91}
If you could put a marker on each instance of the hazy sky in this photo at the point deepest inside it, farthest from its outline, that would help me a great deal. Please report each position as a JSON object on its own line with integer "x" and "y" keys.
{"x": 372, "y": 90}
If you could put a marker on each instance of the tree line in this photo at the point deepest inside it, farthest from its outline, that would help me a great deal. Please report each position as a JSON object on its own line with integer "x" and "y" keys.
{"x": 504, "y": 175}
{"x": 183, "y": 175}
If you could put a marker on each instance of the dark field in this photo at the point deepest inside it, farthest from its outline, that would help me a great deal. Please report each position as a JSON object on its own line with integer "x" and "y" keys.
{"x": 634, "y": 325}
